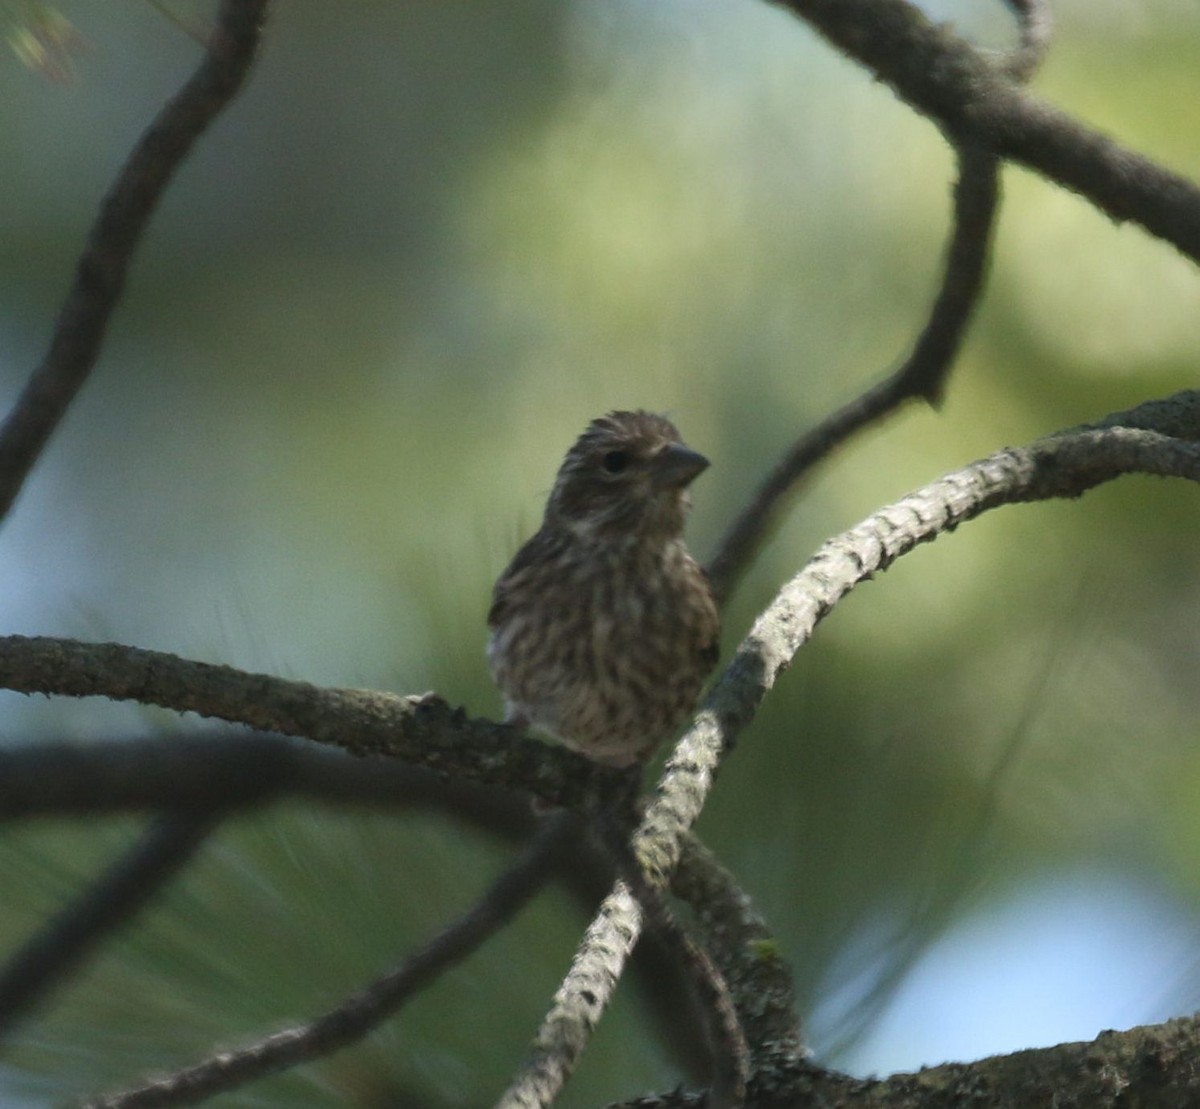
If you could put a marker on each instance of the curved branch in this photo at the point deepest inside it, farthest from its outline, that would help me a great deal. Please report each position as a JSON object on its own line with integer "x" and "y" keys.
{"x": 922, "y": 376}
{"x": 1160, "y": 438}
{"x": 124, "y": 213}
{"x": 1035, "y": 27}
{"x": 942, "y": 76}
{"x": 727, "y": 1042}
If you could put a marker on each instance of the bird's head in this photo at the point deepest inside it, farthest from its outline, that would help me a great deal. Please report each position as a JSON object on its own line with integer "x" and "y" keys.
{"x": 626, "y": 477}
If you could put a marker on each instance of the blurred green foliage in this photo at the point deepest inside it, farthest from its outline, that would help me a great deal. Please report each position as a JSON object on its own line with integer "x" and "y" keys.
{"x": 429, "y": 243}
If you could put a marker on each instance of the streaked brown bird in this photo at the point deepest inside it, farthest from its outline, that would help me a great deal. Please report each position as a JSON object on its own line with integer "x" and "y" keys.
{"x": 604, "y": 627}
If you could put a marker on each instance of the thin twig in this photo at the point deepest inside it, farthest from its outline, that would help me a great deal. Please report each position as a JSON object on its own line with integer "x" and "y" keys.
{"x": 1035, "y": 28}
{"x": 124, "y": 213}
{"x": 922, "y": 375}
{"x": 115, "y": 897}
{"x": 366, "y": 1009}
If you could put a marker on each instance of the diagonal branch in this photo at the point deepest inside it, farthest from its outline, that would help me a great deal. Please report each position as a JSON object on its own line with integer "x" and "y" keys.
{"x": 124, "y": 213}
{"x": 115, "y": 897}
{"x": 364, "y": 1010}
{"x": 578, "y": 1004}
{"x": 230, "y": 770}
{"x": 727, "y": 1040}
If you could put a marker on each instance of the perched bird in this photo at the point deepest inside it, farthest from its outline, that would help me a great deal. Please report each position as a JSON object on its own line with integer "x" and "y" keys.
{"x": 603, "y": 627}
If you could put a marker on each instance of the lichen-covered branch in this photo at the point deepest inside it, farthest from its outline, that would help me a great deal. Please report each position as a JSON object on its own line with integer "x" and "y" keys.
{"x": 421, "y": 730}
{"x": 758, "y": 977}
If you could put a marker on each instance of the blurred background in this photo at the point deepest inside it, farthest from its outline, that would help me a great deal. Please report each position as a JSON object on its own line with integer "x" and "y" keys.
{"x": 426, "y": 246}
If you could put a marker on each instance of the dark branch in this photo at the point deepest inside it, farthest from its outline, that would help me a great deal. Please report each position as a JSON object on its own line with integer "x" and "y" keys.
{"x": 59, "y": 948}
{"x": 124, "y": 213}
{"x": 1035, "y": 28}
{"x": 229, "y": 770}
{"x": 922, "y": 376}
{"x": 240, "y": 770}
{"x": 365, "y": 1010}
{"x": 1148, "y": 1066}
{"x": 924, "y": 372}
{"x": 942, "y": 76}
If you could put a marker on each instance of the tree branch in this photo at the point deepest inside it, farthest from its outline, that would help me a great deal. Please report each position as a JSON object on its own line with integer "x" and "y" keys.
{"x": 758, "y": 978}
{"x": 1147, "y": 1066}
{"x": 578, "y": 1004}
{"x": 730, "y": 1052}
{"x": 237, "y": 770}
{"x": 1035, "y": 27}
{"x": 124, "y": 213}
{"x": 942, "y": 76}
{"x": 229, "y": 770}
{"x": 420, "y": 730}
{"x": 922, "y": 375}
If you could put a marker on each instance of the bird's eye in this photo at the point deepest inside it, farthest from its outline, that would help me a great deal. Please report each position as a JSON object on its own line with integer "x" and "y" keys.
{"x": 615, "y": 461}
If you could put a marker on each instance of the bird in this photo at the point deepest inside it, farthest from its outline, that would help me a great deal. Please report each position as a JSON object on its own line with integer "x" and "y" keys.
{"x": 604, "y": 628}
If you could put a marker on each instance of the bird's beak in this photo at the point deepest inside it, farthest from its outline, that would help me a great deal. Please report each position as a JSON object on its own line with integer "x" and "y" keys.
{"x": 677, "y": 466}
